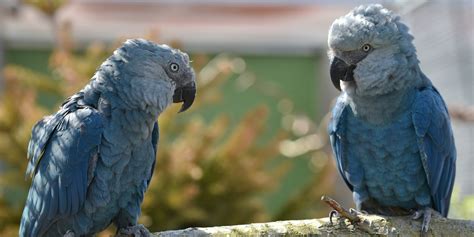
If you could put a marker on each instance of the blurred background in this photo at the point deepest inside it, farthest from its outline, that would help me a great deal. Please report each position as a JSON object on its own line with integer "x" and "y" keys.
{"x": 254, "y": 147}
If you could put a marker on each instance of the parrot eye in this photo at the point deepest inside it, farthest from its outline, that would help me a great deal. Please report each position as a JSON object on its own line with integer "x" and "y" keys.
{"x": 174, "y": 67}
{"x": 366, "y": 47}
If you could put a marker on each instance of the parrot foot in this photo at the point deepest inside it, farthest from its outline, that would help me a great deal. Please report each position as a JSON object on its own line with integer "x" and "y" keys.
{"x": 135, "y": 231}
{"x": 357, "y": 213}
{"x": 426, "y": 213}
{"x": 69, "y": 233}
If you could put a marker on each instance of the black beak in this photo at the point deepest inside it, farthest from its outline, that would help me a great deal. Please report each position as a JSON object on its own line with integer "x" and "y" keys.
{"x": 340, "y": 70}
{"x": 185, "y": 94}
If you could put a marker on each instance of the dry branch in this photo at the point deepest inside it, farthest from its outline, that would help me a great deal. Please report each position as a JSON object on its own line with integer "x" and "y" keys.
{"x": 462, "y": 112}
{"x": 385, "y": 226}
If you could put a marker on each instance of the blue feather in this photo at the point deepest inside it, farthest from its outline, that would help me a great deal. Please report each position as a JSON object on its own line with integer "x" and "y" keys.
{"x": 58, "y": 188}
{"x": 93, "y": 160}
{"x": 433, "y": 144}
{"x": 154, "y": 142}
{"x": 438, "y": 151}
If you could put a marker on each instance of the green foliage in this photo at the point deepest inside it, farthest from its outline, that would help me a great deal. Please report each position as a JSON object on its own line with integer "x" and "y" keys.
{"x": 48, "y": 7}
{"x": 208, "y": 172}
{"x": 461, "y": 207}
{"x": 205, "y": 175}
{"x": 18, "y": 113}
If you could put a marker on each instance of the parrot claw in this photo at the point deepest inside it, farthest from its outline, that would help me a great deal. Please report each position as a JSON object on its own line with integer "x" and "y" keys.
{"x": 69, "y": 233}
{"x": 426, "y": 213}
{"x": 135, "y": 231}
{"x": 416, "y": 215}
{"x": 357, "y": 213}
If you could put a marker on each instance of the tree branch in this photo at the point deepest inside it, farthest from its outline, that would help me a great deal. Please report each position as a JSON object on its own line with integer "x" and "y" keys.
{"x": 385, "y": 226}
{"x": 462, "y": 112}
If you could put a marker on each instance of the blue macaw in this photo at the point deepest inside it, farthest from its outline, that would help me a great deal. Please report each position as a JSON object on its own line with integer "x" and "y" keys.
{"x": 93, "y": 160}
{"x": 390, "y": 129}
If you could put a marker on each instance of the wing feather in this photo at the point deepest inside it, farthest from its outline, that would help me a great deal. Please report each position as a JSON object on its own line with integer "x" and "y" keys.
{"x": 436, "y": 144}
{"x": 337, "y": 134}
{"x": 155, "y": 137}
{"x": 59, "y": 154}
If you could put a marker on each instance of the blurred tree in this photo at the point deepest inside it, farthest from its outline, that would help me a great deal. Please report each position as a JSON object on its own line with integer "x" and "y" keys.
{"x": 207, "y": 173}
{"x": 49, "y": 7}
{"x": 461, "y": 207}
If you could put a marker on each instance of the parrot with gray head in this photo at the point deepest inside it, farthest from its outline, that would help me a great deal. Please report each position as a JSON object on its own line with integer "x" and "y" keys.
{"x": 93, "y": 160}
{"x": 390, "y": 129}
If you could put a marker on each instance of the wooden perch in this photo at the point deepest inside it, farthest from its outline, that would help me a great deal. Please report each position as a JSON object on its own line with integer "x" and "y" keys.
{"x": 384, "y": 226}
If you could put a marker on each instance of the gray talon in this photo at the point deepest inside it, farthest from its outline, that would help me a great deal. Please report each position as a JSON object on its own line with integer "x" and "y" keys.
{"x": 426, "y": 213}
{"x": 356, "y": 212}
{"x": 416, "y": 215}
{"x": 69, "y": 233}
{"x": 426, "y": 220}
{"x": 135, "y": 231}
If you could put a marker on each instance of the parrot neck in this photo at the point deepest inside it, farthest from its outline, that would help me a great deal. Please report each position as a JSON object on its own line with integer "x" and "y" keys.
{"x": 383, "y": 108}
{"x": 150, "y": 99}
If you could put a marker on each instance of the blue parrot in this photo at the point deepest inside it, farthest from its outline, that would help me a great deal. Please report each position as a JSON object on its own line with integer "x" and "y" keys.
{"x": 93, "y": 160}
{"x": 390, "y": 129}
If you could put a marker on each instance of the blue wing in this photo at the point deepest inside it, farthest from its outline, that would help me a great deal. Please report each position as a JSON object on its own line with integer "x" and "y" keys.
{"x": 336, "y": 130}
{"x": 61, "y": 152}
{"x": 155, "y": 137}
{"x": 436, "y": 143}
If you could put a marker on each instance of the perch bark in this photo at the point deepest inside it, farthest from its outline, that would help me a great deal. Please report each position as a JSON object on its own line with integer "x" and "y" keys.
{"x": 385, "y": 226}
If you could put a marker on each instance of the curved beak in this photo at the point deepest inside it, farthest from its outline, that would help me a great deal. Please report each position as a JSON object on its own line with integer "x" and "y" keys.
{"x": 185, "y": 94}
{"x": 341, "y": 71}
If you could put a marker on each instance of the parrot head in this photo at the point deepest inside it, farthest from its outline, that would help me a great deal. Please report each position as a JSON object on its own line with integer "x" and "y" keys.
{"x": 158, "y": 73}
{"x": 369, "y": 51}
